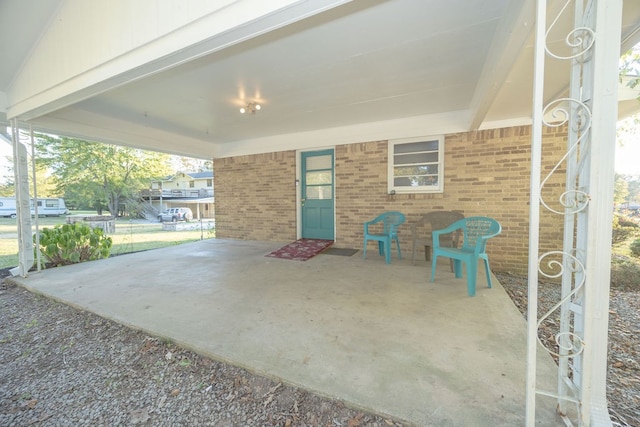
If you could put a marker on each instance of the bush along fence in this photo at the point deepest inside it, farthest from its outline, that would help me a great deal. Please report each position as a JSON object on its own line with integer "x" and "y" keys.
{"x": 73, "y": 243}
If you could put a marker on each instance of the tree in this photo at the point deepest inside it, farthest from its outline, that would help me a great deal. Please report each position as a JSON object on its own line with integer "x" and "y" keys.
{"x": 46, "y": 185}
{"x": 620, "y": 189}
{"x": 626, "y": 190}
{"x": 189, "y": 164}
{"x": 97, "y": 174}
{"x": 630, "y": 66}
{"x": 633, "y": 186}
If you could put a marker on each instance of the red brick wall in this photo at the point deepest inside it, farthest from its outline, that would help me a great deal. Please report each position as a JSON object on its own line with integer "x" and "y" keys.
{"x": 486, "y": 173}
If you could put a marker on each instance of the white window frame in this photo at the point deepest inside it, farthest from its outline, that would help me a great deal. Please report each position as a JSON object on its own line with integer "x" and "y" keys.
{"x": 438, "y": 188}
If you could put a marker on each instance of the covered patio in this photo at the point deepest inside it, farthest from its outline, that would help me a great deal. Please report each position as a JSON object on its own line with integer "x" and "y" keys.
{"x": 378, "y": 337}
{"x": 351, "y": 81}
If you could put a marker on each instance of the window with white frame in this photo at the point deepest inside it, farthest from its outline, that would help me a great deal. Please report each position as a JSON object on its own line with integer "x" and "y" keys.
{"x": 416, "y": 165}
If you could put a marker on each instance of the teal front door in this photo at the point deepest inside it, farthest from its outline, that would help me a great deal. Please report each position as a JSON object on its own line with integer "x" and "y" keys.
{"x": 317, "y": 195}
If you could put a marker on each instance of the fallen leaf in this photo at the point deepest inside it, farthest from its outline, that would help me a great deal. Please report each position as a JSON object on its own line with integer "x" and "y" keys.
{"x": 273, "y": 389}
{"x": 31, "y": 403}
{"x": 355, "y": 421}
{"x": 269, "y": 400}
{"x": 175, "y": 392}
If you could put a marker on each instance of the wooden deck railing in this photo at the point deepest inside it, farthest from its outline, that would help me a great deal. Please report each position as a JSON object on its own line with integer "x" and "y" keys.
{"x": 176, "y": 193}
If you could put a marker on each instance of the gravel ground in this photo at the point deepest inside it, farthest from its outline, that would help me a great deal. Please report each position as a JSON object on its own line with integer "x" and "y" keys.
{"x": 60, "y": 366}
{"x": 623, "y": 373}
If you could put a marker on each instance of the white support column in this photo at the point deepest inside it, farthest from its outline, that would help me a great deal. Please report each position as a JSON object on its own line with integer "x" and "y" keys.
{"x": 38, "y": 254}
{"x": 23, "y": 210}
{"x": 590, "y": 114}
{"x": 534, "y": 213}
{"x": 598, "y": 267}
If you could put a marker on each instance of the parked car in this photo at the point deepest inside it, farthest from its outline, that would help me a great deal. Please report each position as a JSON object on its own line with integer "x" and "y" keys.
{"x": 176, "y": 214}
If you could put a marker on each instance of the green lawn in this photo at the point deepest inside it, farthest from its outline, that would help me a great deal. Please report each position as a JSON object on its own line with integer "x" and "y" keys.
{"x": 130, "y": 236}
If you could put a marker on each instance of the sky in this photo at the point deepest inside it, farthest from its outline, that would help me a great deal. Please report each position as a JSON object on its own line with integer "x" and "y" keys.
{"x": 628, "y": 158}
{"x": 628, "y": 146}
{"x": 5, "y": 150}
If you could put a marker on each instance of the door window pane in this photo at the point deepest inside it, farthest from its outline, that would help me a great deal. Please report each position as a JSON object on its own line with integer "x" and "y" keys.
{"x": 319, "y": 192}
{"x": 320, "y": 177}
{"x": 318, "y": 162}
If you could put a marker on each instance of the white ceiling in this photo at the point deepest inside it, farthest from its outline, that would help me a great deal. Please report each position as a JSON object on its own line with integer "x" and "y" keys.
{"x": 20, "y": 26}
{"x": 463, "y": 62}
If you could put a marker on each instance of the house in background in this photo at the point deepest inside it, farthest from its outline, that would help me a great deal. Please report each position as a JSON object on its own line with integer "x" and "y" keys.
{"x": 193, "y": 190}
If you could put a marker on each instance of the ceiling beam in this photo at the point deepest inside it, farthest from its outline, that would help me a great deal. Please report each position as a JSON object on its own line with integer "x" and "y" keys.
{"x": 630, "y": 40}
{"x": 82, "y": 124}
{"x": 515, "y": 29}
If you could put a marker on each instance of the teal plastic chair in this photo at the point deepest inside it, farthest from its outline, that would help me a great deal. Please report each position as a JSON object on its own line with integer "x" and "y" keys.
{"x": 476, "y": 230}
{"x": 436, "y": 220}
{"x": 390, "y": 222}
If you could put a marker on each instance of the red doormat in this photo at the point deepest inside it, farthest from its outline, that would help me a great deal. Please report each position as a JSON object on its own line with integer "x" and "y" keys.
{"x": 301, "y": 250}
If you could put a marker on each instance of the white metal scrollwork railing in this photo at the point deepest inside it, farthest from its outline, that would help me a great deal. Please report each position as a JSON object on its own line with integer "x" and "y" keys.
{"x": 574, "y": 113}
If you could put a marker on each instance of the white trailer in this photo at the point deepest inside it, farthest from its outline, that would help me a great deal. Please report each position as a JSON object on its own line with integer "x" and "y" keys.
{"x": 8, "y": 207}
{"x": 46, "y": 207}
{"x": 49, "y": 207}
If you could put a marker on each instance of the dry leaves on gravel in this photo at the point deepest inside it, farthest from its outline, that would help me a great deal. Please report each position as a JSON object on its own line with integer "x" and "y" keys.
{"x": 623, "y": 372}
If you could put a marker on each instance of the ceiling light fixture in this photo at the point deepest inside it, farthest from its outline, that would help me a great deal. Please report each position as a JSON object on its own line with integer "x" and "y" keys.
{"x": 251, "y": 107}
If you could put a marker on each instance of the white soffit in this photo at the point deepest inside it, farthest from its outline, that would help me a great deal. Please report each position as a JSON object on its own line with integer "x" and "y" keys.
{"x": 350, "y": 73}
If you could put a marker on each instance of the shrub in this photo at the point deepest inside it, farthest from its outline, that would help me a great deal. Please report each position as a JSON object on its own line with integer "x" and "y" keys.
{"x": 623, "y": 229}
{"x": 635, "y": 248}
{"x": 627, "y": 222}
{"x": 73, "y": 243}
{"x": 624, "y": 273}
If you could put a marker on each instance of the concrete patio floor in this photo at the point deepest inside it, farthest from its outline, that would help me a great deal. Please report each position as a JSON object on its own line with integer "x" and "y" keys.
{"x": 378, "y": 337}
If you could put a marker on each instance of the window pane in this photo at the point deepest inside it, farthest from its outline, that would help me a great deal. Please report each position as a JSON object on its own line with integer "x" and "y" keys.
{"x": 415, "y": 147}
{"x": 415, "y": 181}
{"x": 319, "y": 162}
{"x": 319, "y": 192}
{"x": 415, "y": 170}
{"x": 427, "y": 180}
{"x": 416, "y": 165}
{"x": 403, "y": 159}
{"x": 321, "y": 177}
